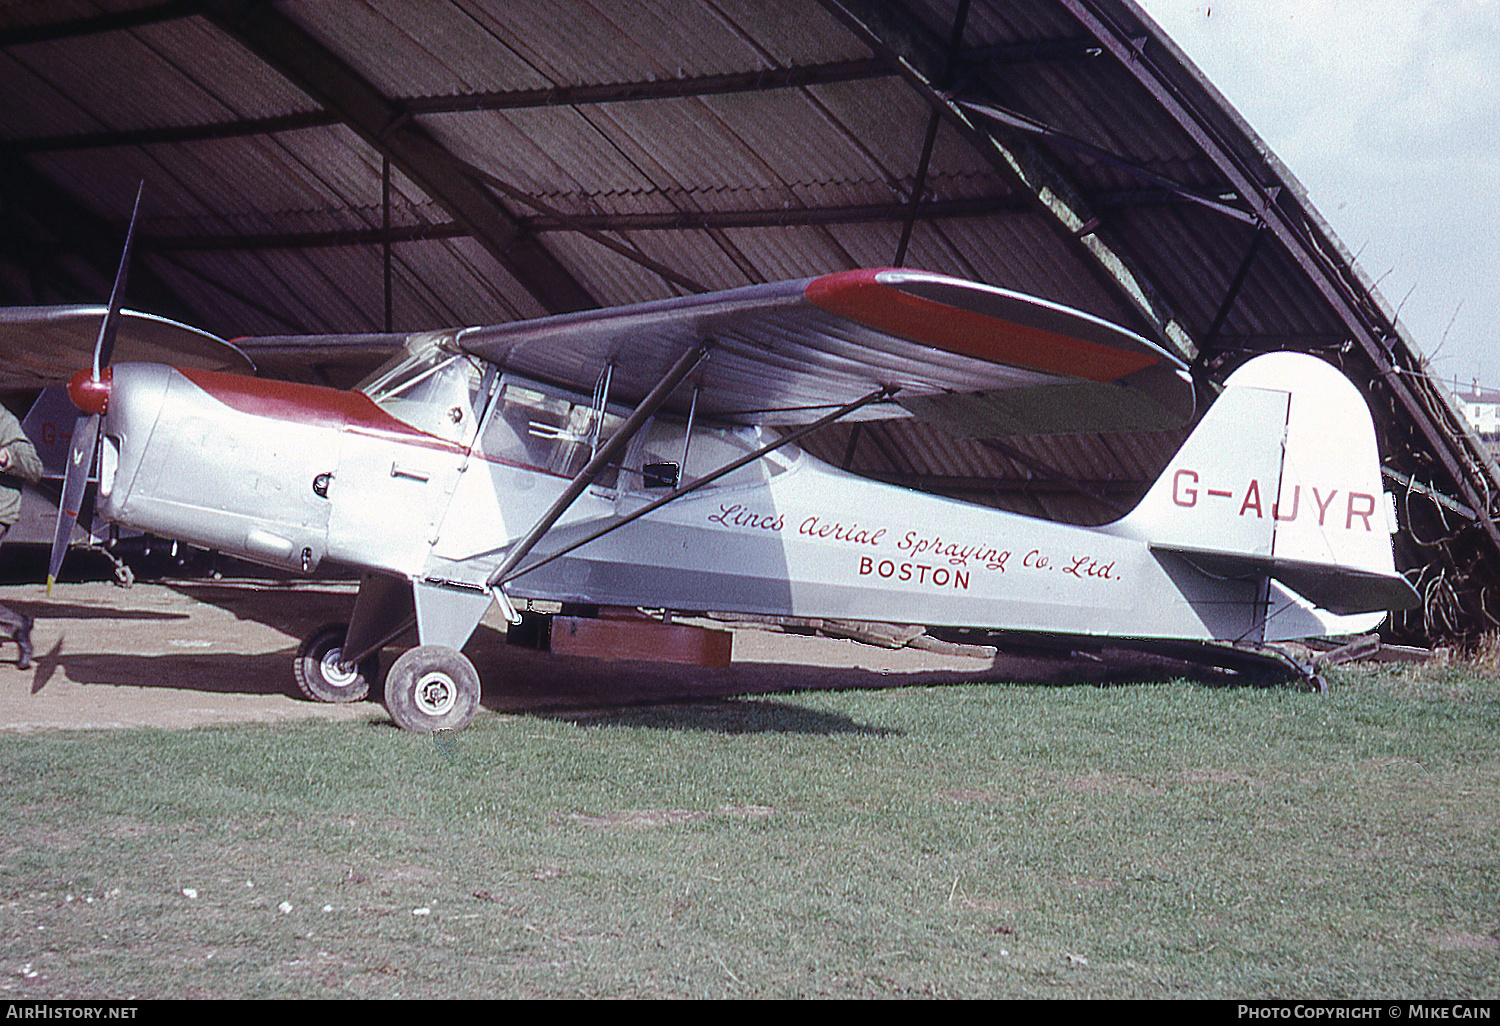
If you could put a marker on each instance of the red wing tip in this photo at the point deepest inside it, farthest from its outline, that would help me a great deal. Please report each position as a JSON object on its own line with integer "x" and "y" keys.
{"x": 875, "y": 298}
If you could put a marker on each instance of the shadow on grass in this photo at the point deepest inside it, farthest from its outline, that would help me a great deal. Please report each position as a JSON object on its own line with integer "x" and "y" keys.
{"x": 725, "y": 716}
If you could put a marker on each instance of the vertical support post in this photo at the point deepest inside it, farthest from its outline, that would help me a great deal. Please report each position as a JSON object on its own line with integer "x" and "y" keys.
{"x": 1234, "y": 291}
{"x": 687, "y": 436}
{"x": 919, "y": 186}
{"x": 385, "y": 231}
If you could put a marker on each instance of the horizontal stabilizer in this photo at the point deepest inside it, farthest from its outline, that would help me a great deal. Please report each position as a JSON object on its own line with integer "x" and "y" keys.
{"x": 1338, "y": 589}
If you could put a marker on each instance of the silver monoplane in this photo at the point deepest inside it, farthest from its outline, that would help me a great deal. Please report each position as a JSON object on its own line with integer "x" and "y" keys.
{"x": 646, "y": 456}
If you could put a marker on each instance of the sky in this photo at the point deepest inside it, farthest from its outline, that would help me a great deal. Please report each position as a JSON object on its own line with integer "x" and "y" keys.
{"x": 1388, "y": 113}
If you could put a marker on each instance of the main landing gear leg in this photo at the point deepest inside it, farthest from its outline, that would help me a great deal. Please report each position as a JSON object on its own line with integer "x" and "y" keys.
{"x": 432, "y": 687}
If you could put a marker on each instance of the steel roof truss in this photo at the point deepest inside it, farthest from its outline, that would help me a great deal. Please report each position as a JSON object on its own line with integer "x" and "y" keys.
{"x": 114, "y": 21}
{"x": 763, "y": 80}
{"x": 335, "y": 85}
{"x": 892, "y": 29}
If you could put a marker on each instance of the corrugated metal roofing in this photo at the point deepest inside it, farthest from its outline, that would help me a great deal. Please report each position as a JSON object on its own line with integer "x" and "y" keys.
{"x": 722, "y": 142}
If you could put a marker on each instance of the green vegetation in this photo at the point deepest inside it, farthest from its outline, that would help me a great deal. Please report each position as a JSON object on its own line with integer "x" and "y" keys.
{"x": 1143, "y": 841}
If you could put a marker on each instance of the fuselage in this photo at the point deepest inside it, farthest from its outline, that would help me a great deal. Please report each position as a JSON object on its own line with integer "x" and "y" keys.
{"x": 436, "y": 479}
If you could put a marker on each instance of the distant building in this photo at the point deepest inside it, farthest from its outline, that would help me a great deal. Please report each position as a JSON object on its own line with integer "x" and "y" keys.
{"x": 1481, "y": 408}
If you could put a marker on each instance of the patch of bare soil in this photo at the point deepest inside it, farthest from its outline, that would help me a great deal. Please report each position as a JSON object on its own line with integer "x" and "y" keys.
{"x": 203, "y": 652}
{"x": 1467, "y": 942}
{"x": 1109, "y": 783}
{"x": 667, "y": 817}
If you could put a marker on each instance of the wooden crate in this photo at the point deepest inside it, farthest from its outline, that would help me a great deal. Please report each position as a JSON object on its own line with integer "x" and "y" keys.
{"x": 646, "y": 640}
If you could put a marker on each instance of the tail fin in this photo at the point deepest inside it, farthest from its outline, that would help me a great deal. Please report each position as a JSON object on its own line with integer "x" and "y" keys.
{"x": 49, "y": 426}
{"x": 1282, "y": 476}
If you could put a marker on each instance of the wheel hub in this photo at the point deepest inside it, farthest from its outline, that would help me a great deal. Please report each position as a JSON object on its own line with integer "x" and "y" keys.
{"x": 436, "y": 694}
{"x": 336, "y": 673}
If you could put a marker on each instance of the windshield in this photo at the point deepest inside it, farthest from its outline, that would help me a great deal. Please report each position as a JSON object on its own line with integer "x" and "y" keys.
{"x": 430, "y": 386}
{"x": 422, "y": 352}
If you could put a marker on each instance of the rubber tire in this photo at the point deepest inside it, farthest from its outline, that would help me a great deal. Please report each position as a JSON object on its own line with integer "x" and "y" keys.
{"x": 432, "y": 687}
{"x": 317, "y": 676}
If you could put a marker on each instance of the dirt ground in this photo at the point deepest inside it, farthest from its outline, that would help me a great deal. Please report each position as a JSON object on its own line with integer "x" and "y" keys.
{"x": 198, "y": 652}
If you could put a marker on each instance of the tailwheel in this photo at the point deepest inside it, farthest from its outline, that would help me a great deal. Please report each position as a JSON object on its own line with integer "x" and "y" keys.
{"x": 321, "y": 672}
{"x": 432, "y": 687}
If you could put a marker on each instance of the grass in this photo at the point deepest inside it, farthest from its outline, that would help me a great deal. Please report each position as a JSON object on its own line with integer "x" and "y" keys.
{"x": 982, "y": 841}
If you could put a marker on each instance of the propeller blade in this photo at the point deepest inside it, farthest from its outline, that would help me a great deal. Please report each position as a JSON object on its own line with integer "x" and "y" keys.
{"x": 86, "y": 430}
{"x": 111, "y": 324}
{"x": 76, "y": 480}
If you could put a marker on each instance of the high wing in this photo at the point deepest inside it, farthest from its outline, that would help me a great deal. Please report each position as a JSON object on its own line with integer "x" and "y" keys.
{"x": 44, "y": 345}
{"x": 973, "y": 359}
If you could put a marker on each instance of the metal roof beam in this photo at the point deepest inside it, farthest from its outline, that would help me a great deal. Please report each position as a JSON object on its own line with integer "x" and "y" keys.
{"x": 873, "y": 213}
{"x": 934, "y": 119}
{"x": 894, "y": 30}
{"x": 176, "y": 133}
{"x": 1107, "y": 199}
{"x": 1030, "y": 126}
{"x": 761, "y": 80}
{"x": 339, "y": 89}
{"x": 863, "y": 213}
{"x": 151, "y": 14}
{"x": 557, "y": 96}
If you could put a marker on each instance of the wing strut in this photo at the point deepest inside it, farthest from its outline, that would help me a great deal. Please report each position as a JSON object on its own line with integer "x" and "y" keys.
{"x": 504, "y": 575}
{"x": 602, "y": 458}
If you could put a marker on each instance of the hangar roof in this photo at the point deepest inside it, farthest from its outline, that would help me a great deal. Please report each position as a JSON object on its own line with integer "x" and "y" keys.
{"x": 373, "y": 165}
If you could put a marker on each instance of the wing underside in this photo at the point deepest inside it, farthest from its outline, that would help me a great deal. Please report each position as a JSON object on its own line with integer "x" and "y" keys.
{"x": 44, "y": 345}
{"x": 973, "y": 359}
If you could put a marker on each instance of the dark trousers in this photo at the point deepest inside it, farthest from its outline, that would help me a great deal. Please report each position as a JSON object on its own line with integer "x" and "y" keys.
{"x": 10, "y": 620}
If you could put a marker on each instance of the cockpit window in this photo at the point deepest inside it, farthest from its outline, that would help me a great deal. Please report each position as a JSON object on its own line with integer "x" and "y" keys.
{"x": 548, "y": 430}
{"x": 545, "y": 428}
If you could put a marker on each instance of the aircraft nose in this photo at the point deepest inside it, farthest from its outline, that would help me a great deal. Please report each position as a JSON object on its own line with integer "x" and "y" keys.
{"x": 89, "y": 395}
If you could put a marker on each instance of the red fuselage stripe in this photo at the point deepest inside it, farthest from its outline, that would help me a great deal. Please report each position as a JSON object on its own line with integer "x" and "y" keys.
{"x": 312, "y": 405}
{"x": 316, "y": 406}
{"x": 860, "y": 297}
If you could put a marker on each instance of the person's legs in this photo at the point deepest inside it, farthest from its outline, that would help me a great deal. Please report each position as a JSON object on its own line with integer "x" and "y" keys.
{"x": 17, "y": 625}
